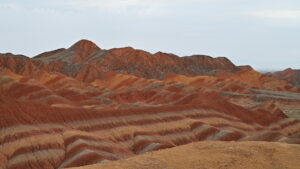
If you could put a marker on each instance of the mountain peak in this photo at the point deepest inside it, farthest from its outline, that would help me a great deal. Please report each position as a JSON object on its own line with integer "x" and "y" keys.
{"x": 289, "y": 70}
{"x": 85, "y": 45}
{"x": 84, "y": 49}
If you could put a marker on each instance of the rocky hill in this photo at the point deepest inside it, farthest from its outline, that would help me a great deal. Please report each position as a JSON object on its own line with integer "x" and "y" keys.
{"x": 290, "y": 75}
{"x": 128, "y": 60}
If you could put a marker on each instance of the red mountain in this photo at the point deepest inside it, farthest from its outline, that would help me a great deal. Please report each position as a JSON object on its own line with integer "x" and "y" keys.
{"x": 128, "y": 60}
{"x": 290, "y": 75}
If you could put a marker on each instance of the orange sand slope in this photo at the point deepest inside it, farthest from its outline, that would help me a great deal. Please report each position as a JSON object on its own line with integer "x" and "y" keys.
{"x": 214, "y": 155}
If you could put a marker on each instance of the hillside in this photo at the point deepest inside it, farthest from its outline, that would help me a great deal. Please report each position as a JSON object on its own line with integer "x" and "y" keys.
{"x": 290, "y": 75}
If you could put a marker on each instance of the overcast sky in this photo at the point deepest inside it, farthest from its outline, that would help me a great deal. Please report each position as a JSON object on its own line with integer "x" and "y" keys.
{"x": 262, "y": 33}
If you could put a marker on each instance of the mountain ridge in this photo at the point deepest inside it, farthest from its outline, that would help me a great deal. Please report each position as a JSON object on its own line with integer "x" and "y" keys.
{"x": 128, "y": 60}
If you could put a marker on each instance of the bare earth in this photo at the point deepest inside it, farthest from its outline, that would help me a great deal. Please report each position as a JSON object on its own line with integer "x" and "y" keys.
{"x": 213, "y": 155}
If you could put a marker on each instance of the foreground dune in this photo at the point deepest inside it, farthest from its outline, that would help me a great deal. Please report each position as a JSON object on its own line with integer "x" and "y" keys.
{"x": 206, "y": 155}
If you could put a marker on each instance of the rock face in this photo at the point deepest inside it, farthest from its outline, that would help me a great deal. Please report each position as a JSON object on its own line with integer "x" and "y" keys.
{"x": 85, "y": 105}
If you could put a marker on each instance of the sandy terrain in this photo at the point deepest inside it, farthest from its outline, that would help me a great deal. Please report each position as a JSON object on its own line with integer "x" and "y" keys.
{"x": 213, "y": 155}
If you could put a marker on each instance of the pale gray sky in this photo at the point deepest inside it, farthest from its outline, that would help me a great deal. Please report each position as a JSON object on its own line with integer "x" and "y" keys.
{"x": 262, "y": 33}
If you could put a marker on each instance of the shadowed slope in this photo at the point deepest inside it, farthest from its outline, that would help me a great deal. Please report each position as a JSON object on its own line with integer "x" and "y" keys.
{"x": 50, "y": 53}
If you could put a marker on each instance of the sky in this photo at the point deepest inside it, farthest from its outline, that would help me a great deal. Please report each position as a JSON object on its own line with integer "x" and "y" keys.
{"x": 262, "y": 33}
